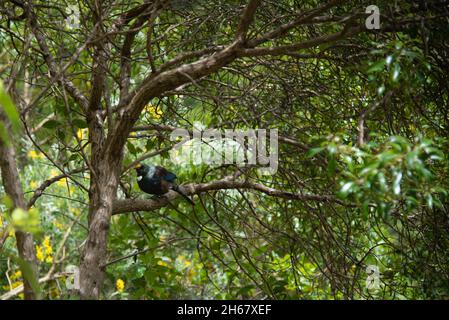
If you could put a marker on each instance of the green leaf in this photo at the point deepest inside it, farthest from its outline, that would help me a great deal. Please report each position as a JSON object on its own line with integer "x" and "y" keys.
{"x": 429, "y": 201}
{"x": 382, "y": 181}
{"x": 150, "y": 145}
{"x": 80, "y": 123}
{"x": 61, "y": 135}
{"x": 9, "y": 108}
{"x": 365, "y": 209}
{"x": 29, "y": 275}
{"x": 381, "y": 90}
{"x": 314, "y": 151}
{"x": 26, "y": 221}
{"x": 346, "y": 189}
{"x": 397, "y": 183}
{"x": 51, "y": 124}
{"x": 389, "y": 60}
{"x": 378, "y": 66}
{"x": 4, "y": 134}
{"x": 396, "y": 72}
{"x": 332, "y": 148}
{"x": 7, "y": 201}
{"x": 131, "y": 148}
{"x": 74, "y": 157}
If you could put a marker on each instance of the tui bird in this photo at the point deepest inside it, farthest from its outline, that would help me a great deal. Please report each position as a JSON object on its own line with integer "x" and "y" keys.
{"x": 157, "y": 180}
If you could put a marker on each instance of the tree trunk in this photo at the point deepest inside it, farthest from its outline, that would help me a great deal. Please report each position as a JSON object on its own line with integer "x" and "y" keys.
{"x": 104, "y": 179}
{"x": 13, "y": 188}
{"x": 102, "y": 194}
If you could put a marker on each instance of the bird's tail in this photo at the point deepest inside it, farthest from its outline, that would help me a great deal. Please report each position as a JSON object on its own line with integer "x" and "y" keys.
{"x": 182, "y": 193}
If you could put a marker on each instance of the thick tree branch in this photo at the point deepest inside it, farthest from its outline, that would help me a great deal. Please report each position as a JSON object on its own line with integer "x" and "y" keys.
{"x": 246, "y": 19}
{"x": 125, "y": 56}
{"x": 131, "y": 205}
{"x": 157, "y": 84}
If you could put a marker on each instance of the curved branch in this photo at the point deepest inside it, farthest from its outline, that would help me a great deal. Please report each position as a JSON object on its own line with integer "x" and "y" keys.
{"x": 39, "y": 191}
{"x": 307, "y": 44}
{"x": 131, "y": 205}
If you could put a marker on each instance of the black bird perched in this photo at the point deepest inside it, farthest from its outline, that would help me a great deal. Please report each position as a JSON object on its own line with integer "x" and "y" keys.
{"x": 157, "y": 180}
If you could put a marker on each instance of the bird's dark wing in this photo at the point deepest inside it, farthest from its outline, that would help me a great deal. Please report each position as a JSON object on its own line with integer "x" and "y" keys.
{"x": 164, "y": 174}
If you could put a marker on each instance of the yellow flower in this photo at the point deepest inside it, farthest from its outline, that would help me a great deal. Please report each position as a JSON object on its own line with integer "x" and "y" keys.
{"x": 44, "y": 252}
{"x": 34, "y": 155}
{"x": 120, "y": 285}
{"x": 33, "y": 185}
{"x": 162, "y": 263}
{"x": 62, "y": 182}
{"x": 191, "y": 274}
{"x": 187, "y": 263}
{"x": 53, "y": 173}
{"x": 49, "y": 259}
{"x": 39, "y": 253}
{"x": 47, "y": 245}
{"x": 81, "y": 133}
{"x": 58, "y": 225}
{"x": 75, "y": 211}
{"x": 154, "y": 113}
{"x": 13, "y": 285}
{"x": 46, "y": 241}
{"x": 48, "y": 250}
{"x": 16, "y": 275}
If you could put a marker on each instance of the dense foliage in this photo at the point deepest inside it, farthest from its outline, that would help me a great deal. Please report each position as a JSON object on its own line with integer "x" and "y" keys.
{"x": 363, "y": 175}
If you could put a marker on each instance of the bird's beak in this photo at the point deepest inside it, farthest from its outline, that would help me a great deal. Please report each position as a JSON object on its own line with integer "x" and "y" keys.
{"x": 137, "y": 166}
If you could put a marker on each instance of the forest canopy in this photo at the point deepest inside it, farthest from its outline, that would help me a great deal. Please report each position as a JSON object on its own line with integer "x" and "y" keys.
{"x": 350, "y": 99}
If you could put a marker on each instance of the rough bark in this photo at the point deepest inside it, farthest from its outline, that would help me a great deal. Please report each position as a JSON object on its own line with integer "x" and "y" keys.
{"x": 102, "y": 195}
{"x": 104, "y": 171}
